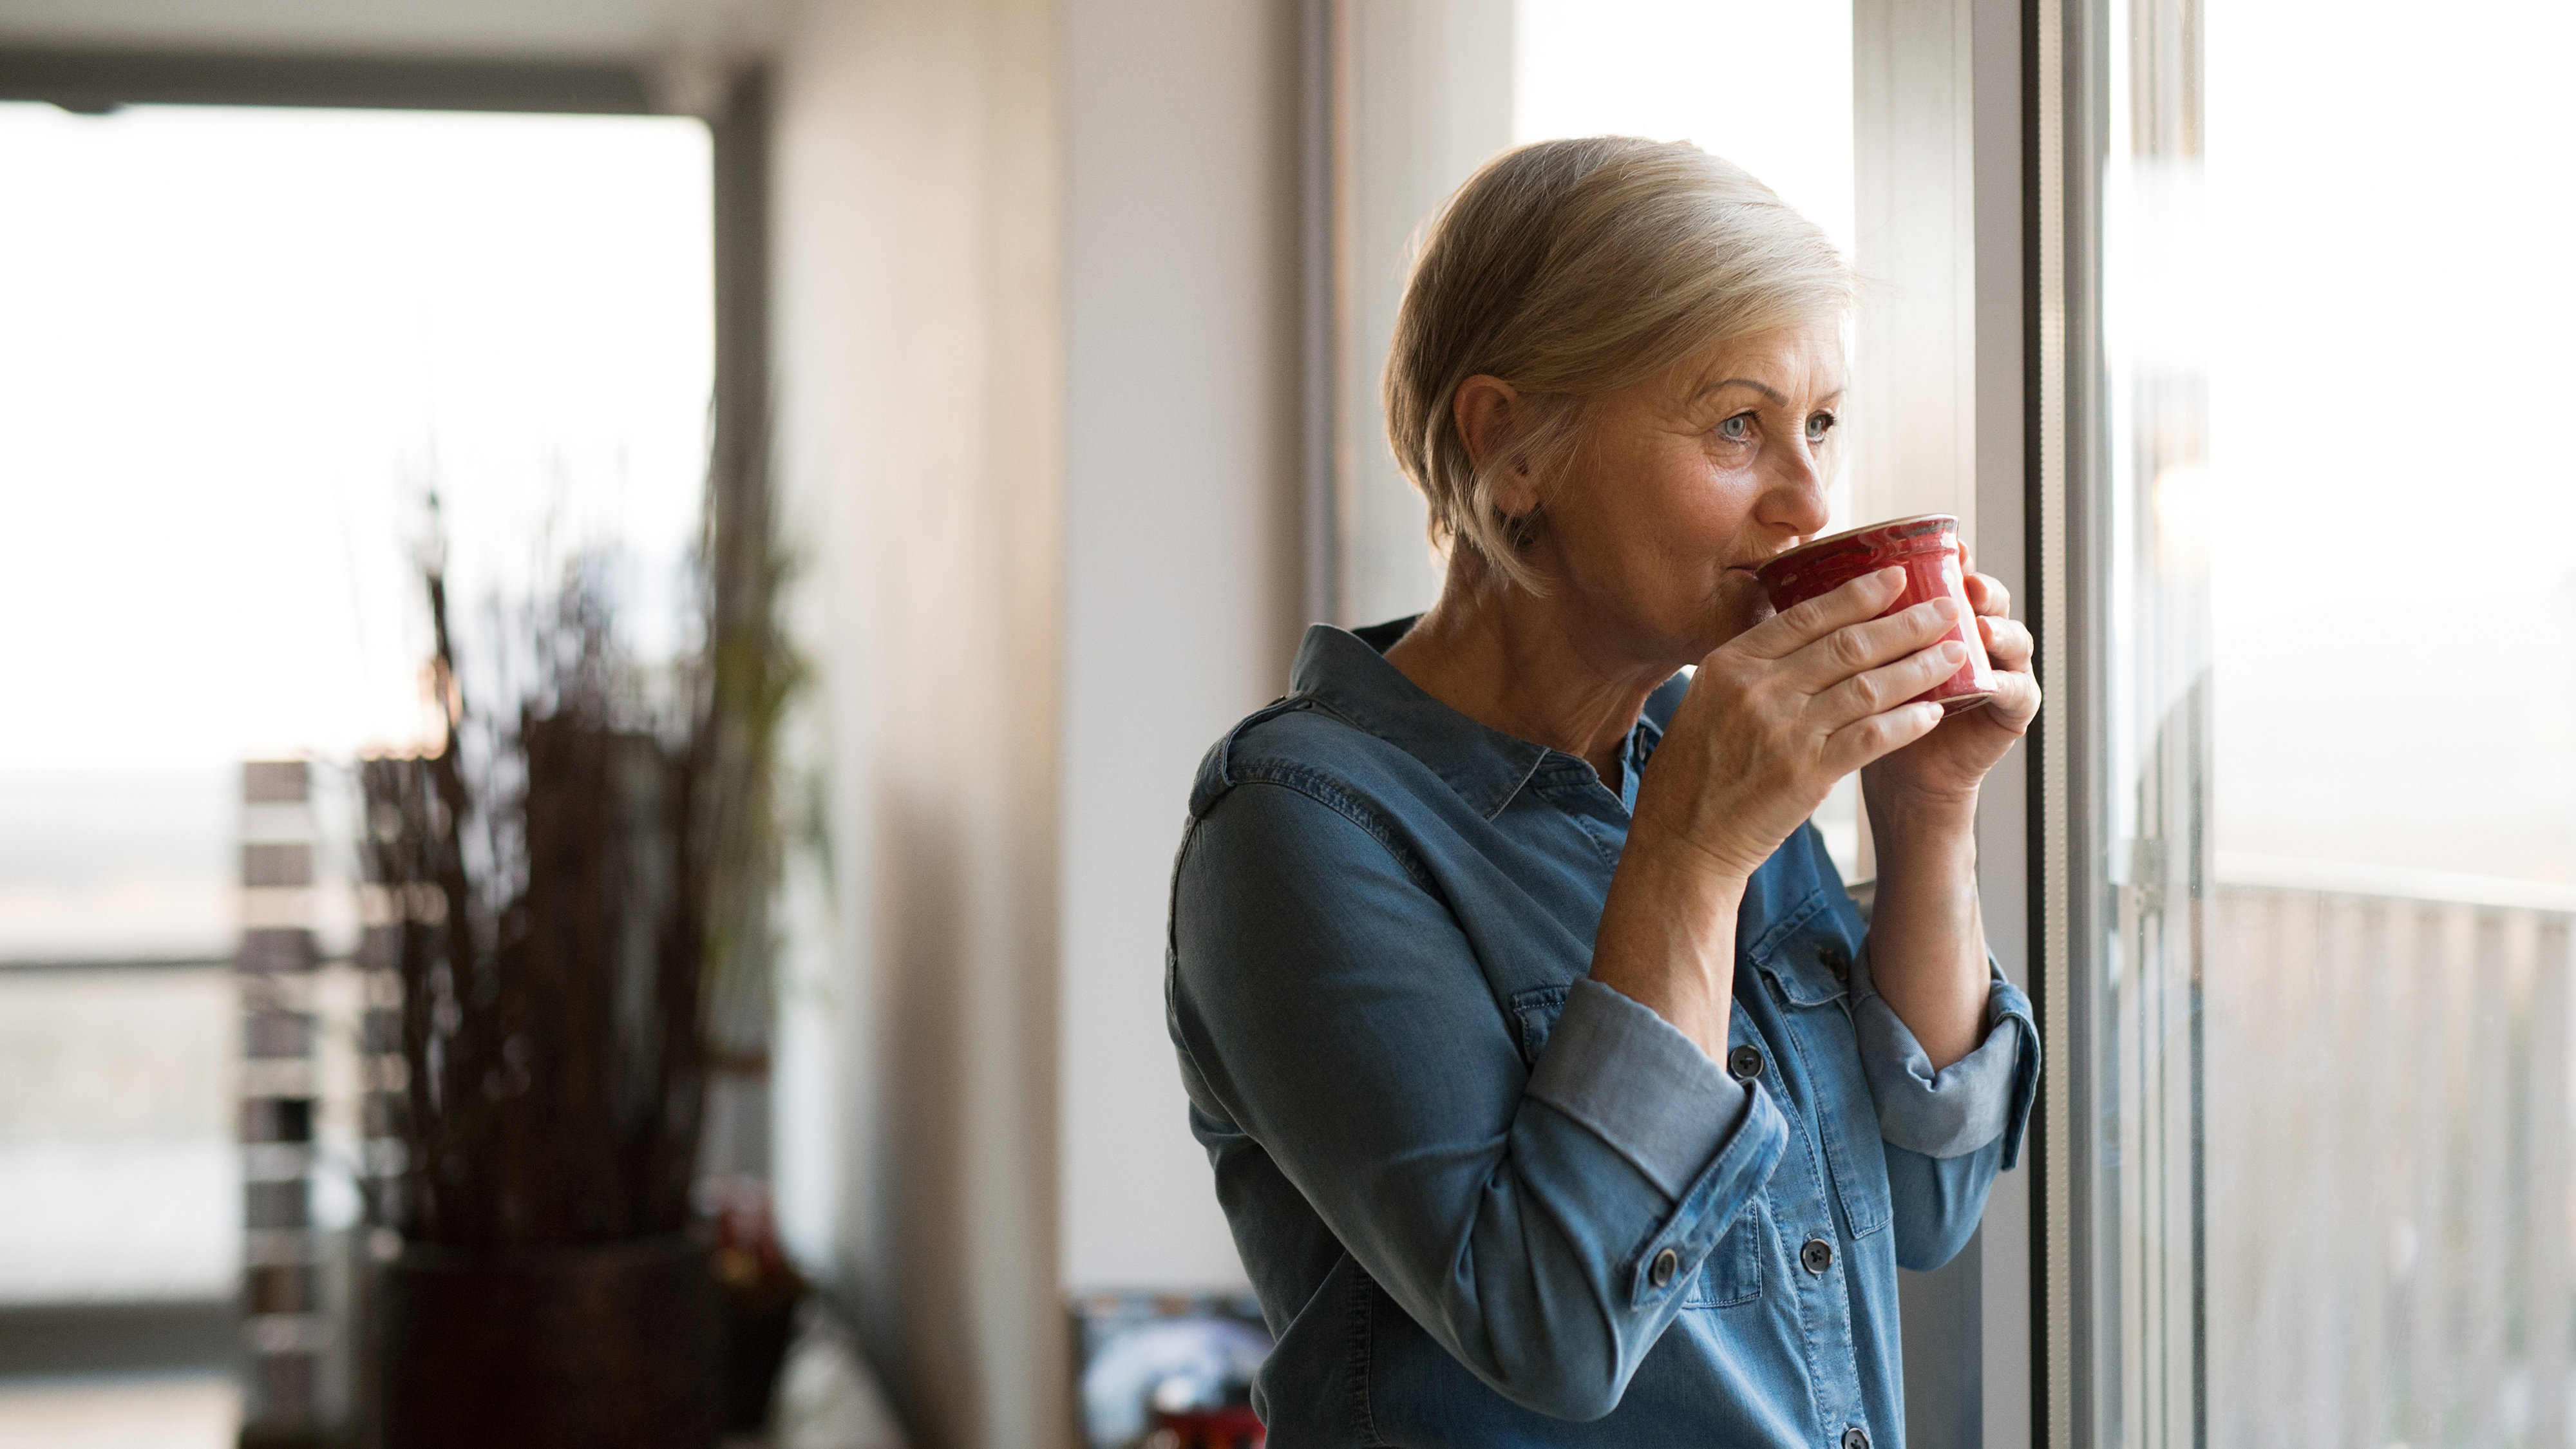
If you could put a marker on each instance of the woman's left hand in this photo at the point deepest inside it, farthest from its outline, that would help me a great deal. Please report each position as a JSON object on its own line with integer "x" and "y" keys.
{"x": 1945, "y": 766}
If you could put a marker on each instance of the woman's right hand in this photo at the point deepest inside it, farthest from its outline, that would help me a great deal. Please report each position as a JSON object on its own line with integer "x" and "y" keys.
{"x": 1773, "y": 718}
{"x": 1778, "y": 714}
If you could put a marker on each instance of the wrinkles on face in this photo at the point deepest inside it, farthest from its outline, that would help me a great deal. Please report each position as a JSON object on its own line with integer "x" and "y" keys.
{"x": 1687, "y": 482}
{"x": 1646, "y": 540}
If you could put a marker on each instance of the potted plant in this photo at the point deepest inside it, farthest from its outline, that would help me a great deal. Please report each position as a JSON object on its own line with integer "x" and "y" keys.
{"x": 568, "y": 888}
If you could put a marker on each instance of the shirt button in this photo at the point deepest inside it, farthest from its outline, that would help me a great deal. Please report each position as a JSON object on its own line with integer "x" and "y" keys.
{"x": 1661, "y": 1271}
{"x": 1816, "y": 1257}
{"x": 1833, "y": 960}
{"x": 1745, "y": 1062}
{"x": 1855, "y": 1437}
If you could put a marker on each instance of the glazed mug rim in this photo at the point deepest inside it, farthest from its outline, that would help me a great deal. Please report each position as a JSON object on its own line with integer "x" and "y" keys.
{"x": 1811, "y": 545}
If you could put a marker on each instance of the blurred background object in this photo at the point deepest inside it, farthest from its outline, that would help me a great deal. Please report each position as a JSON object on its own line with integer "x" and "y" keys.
{"x": 1169, "y": 1371}
{"x": 762, "y": 1292}
{"x": 300, "y": 1357}
{"x": 539, "y": 885}
{"x": 248, "y": 381}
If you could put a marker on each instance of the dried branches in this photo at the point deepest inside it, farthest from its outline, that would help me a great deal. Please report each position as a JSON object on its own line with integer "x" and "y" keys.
{"x": 548, "y": 874}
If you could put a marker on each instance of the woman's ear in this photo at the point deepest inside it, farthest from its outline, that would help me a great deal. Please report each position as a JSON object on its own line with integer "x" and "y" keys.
{"x": 1482, "y": 409}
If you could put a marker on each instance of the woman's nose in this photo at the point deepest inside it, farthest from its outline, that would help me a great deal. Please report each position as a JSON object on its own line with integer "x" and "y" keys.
{"x": 1796, "y": 497}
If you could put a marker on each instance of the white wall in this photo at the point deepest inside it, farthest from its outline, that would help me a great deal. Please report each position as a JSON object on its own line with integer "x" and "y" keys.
{"x": 1181, "y": 565}
{"x": 1038, "y": 342}
{"x": 1914, "y": 374}
{"x": 920, "y": 347}
{"x": 1425, "y": 97}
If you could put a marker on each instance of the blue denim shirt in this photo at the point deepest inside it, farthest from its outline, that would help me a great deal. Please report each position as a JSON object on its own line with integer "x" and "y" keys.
{"x": 1486, "y": 1201}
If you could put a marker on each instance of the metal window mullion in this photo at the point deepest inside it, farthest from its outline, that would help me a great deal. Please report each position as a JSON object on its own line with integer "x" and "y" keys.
{"x": 2048, "y": 464}
{"x": 2067, "y": 438}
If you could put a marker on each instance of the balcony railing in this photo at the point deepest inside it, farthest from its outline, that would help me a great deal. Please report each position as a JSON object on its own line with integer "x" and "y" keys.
{"x": 2385, "y": 1130}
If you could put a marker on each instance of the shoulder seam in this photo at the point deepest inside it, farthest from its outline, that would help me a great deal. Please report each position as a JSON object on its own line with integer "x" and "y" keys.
{"x": 1223, "y": 754}
{"x": 1324, "y": 790}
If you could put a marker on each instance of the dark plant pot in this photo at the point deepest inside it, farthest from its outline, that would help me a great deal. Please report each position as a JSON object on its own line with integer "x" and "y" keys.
{"x": 619, "y": 1346}
{"x": 759, "y": 1321}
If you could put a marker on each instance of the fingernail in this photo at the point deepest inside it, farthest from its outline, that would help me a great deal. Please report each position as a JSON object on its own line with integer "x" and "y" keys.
{"x": 1952, "y": 651}
{"x": 1945, "y": 607}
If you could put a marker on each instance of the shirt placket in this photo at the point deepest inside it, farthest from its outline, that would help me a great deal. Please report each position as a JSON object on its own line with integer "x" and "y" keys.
{"x": 1798, "y": 1194}
{"x": 1818, "y": 1265}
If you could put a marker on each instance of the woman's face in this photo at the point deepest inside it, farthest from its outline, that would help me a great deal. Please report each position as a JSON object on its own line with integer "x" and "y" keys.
{"x": 1686, "y": 483}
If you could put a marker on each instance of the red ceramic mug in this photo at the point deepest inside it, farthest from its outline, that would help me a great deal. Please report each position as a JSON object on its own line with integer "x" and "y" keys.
{"x": 1927, "y": 544}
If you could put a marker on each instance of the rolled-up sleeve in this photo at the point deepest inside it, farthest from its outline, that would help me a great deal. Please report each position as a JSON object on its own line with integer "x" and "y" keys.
{"x": 1543, "y": 1223}
{"x": 1976, "y": 1100}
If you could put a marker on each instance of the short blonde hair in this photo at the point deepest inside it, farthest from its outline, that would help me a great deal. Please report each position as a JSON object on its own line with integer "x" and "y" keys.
{"x": 1574, "y": 268}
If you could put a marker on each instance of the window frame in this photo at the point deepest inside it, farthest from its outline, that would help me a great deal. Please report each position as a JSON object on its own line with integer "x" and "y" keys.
{"x": 93, "y": 81}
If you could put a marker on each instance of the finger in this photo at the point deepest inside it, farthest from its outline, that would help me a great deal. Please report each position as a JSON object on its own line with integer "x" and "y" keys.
{"x": 1859, "y": 647}
{"x": 2009, "y": 644}
{"x": 1871, "y": 736}
{"x": 1987, "y": 594}
{"x": 1792, "y": 629}
{"x": 1879, "y": 690}
{"x": 2015, "y": 703}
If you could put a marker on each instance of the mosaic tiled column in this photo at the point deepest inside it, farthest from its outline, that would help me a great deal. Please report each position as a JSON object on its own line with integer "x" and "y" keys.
{"x": 287, "y": 1329}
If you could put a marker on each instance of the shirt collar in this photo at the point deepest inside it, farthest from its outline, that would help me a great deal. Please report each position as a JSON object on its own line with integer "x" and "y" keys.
{"x": 1346, "y": 670}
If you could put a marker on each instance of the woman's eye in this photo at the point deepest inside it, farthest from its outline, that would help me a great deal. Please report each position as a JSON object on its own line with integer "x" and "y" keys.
{"x": 1737, "y": 428}
{"x": 1818, "y": 426}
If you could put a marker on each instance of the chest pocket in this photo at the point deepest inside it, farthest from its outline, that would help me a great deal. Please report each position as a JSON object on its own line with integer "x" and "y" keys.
{"x": 1534, "y": 1012}
{"x": 1733, "y": 1273}
{"x": 1805, "y": 967}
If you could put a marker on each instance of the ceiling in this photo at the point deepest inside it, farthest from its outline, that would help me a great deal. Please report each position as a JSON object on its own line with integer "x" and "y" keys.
{"x": 529, "y": 29}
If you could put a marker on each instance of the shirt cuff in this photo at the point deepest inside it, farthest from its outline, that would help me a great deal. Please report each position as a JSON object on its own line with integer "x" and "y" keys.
{"x": 1632, "y": 1079}
{"x": 1950, "y": 1113}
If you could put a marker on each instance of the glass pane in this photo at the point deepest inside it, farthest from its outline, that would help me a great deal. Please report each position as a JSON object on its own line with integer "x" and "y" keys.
{"x": 2331, "y": 1007}
{"x": 238, "y": 349}
{"x": 2395, "y": 724}
{"x": 2150, "y": 482}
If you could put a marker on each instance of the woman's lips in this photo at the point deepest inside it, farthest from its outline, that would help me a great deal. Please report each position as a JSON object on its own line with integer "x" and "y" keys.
{"x": 1751, "y": 596}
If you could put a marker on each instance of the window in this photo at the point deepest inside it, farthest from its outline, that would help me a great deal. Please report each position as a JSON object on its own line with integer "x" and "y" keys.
{"x": 2318, "y": 895}
{"x": 245, "y": 344}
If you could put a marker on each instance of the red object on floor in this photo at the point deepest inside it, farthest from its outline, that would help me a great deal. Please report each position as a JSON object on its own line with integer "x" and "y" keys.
{"x": 1233, "y": 1427}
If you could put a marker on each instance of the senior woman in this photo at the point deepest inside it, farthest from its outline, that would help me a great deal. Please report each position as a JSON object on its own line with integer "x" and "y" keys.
{"x": 1556, "y": 1091}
